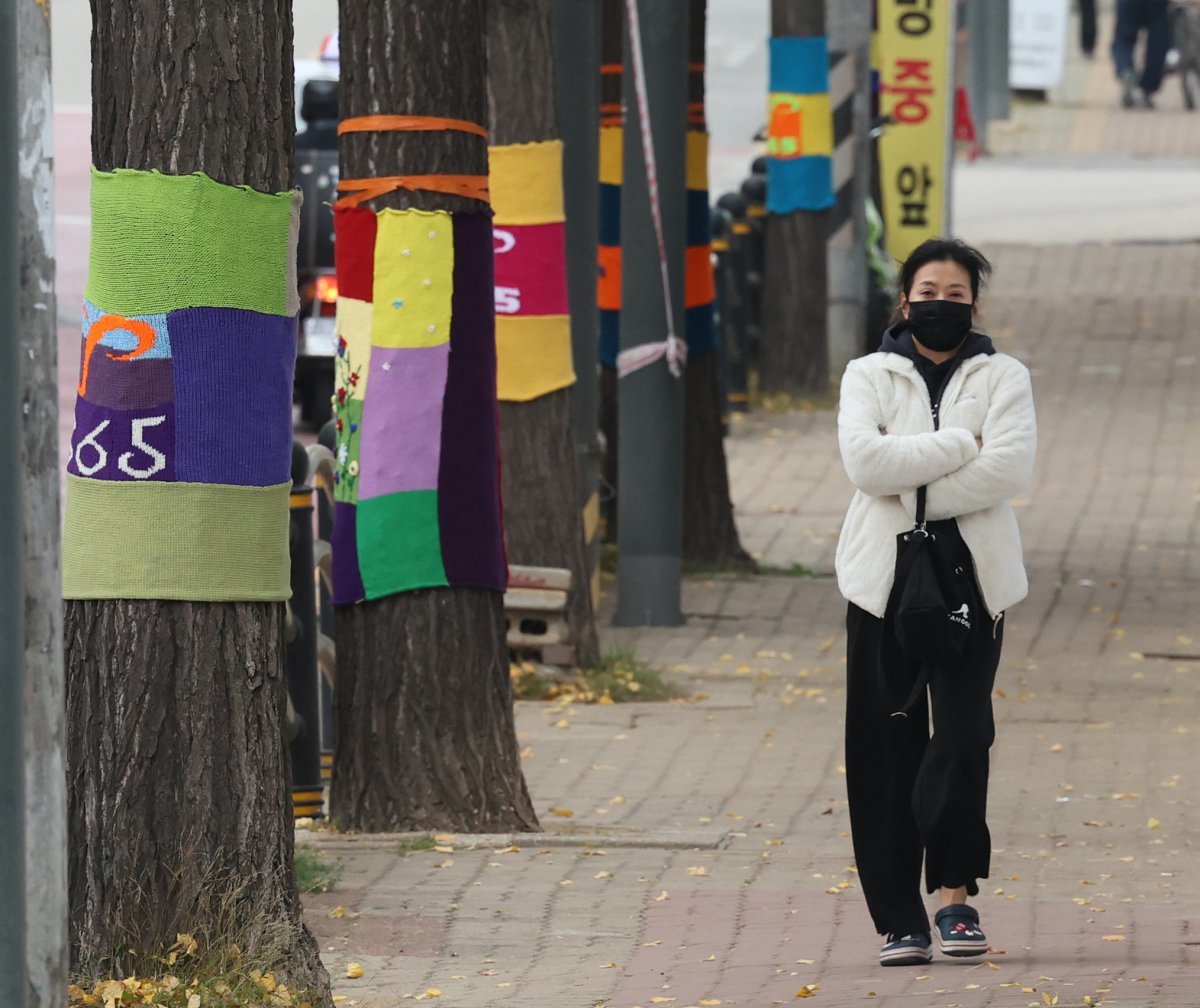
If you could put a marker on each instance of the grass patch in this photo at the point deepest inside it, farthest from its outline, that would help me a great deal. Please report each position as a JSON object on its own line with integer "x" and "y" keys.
{"x": 315, "y": 871}
{"x": 620, "y": 677}
{"x": 224, "y": 955}
{"x": 796, "y": 570}
{"x": 415, "y": 845}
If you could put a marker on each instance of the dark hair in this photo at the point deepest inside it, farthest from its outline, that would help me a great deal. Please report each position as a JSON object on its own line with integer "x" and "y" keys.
{"x": 946, "y": 250}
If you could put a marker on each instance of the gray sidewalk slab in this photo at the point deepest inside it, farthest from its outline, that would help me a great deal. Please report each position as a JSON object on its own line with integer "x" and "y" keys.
{"x": 1093, "y": 891}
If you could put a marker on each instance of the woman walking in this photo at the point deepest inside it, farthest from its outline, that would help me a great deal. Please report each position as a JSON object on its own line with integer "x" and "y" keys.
{"x": 935, "y": 408}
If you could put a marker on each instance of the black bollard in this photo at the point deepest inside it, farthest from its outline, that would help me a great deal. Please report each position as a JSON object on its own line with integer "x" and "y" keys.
{"x": 308, "y": 792}
{"x": 754, "y": 190}
{"x": 728, "y": 245}
{"x": 324, "y": 491}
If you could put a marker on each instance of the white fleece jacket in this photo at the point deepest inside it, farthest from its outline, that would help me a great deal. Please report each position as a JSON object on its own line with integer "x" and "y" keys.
{"x": 890, "y": 448}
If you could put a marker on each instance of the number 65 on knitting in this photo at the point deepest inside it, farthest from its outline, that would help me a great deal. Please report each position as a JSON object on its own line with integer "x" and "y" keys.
{"x": 158, "y": 461}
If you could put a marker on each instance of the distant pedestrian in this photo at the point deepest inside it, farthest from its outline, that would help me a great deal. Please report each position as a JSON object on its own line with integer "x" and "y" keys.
{"x": 1133, "y": 18}
{"x": 935, "y": 407}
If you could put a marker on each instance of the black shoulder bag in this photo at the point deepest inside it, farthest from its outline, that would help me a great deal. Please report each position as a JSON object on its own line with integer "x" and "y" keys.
{"x": 934, "y": 601}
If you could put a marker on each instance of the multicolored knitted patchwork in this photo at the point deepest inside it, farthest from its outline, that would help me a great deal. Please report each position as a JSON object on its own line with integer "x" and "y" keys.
{"x": 533, "y": 324}
{"x": 417, "y": 493}
{"x": 178, "y": 478}
{"x": 699, "y": 287}
{"x": 799, "y": 126}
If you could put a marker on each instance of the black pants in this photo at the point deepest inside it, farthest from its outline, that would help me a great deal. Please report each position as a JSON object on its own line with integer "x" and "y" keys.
{"x": 1087, "y": 26}
{"x": 1133, "y": 17}
{"x": 912, "y": 795}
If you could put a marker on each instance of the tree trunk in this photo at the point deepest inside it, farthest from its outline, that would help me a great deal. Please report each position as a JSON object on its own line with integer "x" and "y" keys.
{"x": 45, "y": 773}
{"x": 794, "y": 358}
{"x": 543, "y": 523}
{"x": 710, "y": 535}
{"x": 179, "y": 801}
{"x": 425, "y": 731}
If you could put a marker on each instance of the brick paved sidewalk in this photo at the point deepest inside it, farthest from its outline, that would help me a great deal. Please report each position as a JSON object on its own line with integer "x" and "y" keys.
{"x": 1083, "y": 116}
{"x": 746, "y": 892}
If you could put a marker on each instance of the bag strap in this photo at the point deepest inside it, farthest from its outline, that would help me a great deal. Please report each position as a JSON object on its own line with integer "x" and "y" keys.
{"x": 920, "y": 506}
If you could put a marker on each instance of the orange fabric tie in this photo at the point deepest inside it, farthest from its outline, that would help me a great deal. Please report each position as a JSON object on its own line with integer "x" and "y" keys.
{"x": 360, "y": 190}
{"x": 415, "y": 123}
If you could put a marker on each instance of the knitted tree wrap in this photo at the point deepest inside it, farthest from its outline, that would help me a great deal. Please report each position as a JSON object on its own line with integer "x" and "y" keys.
{"x": 533, "y": 325}
{"x": 417, "y": 482}
{"x": 699, "y": 290}
{"x": 188, "y": 349}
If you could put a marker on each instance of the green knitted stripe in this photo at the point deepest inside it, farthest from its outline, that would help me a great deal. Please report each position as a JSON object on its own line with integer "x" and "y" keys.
{"x": 399, "y": 545}
{"x": 162, "y": 242}
{"x": 194, "y": 541}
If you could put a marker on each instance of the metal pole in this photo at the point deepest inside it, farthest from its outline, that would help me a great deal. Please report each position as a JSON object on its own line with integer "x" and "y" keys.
{"x": 14, "y": 981}
{"x": 999, "y": 16}
{"x": 980, "y": 50}
{"x": 577, "y": 41}
{"x": 650, "y": 401}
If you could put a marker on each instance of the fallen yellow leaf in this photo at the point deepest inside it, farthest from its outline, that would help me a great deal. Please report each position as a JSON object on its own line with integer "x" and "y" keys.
{"x": 808, "y": 990}
{"x": 1114, "y": 937}
{"x": 659, "y": 999}
{"x": 1153, "y": 824}
{"x": 708, "y": 1002}
{"x": 448, "y": 863}
{"x": 353, "y": 971}
{"x": 337, "y": 911}
{"x": 608, "y": 966}
{"x": 562, "y": 813}
{"x": 698, "y": 870}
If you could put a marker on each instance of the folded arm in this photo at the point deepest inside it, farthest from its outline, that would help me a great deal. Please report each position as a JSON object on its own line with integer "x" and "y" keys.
{"x": 882, "y": 464}
{"x": 1005, "y": 465}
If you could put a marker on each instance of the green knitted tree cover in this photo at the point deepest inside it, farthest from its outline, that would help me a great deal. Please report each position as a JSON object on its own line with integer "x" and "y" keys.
{"x": 178, "y": 480}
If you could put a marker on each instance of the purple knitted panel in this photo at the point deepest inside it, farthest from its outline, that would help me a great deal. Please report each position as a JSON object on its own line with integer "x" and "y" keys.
{"x": 233, "y": 395}
{"x": 347, "y": 578}
{"x": 116, "y": 444}
{"x": 469, "y": 512}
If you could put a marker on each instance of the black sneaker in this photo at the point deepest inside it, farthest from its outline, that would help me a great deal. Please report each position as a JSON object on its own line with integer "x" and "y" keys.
{"x": 959, "y": 933}
{"x": 907, "y": 950}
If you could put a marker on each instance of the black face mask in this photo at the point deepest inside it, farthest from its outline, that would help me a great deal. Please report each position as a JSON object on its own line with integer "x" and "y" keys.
{"x": 940, "y": 325}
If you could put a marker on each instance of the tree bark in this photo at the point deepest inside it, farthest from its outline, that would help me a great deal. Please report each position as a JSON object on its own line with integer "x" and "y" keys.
{"x": 179, "y": 798}
{"x": 794, "y": 358}
{"x": 543, "y": 522}
{"x": 425, "y": 731}
{"x": 45, "y": 771}
{"x": 710, "y": 535}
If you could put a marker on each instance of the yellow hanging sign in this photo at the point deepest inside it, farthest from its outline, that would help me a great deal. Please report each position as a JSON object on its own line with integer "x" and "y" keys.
{"x": 914, "y": 57}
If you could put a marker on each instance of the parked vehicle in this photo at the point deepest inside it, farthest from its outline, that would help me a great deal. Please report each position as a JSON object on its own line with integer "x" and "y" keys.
{"x": 317, "y": 178}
